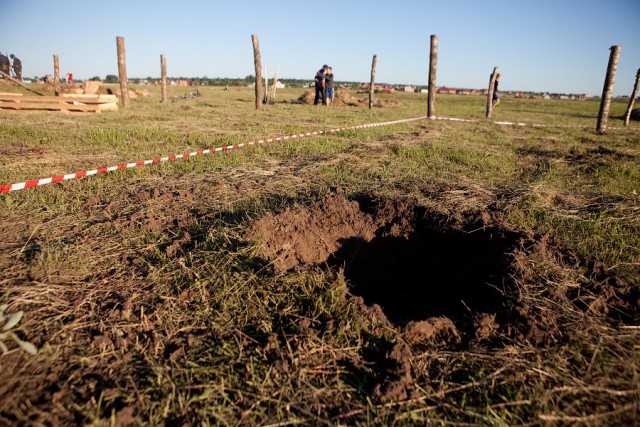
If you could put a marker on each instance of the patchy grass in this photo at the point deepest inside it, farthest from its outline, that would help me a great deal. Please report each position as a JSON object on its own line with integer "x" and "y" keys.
{"x": 149, "y": 304}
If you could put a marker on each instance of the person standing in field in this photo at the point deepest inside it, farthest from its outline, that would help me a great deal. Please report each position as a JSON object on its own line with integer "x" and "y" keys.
{"x": 5, "y": 65}
{"x": 328, "y": 86}
{"x": 496, "y": 98}
{"x": 320, "y": 80}
{"x": 17, "y": 67}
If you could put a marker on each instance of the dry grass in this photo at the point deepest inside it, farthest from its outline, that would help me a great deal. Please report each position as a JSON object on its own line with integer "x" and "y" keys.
{"x": 148, "y": 305}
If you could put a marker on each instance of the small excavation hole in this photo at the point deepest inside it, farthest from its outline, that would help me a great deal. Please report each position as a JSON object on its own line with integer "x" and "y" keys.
{"x": 413, "y": 262}
{"x": 429, "y": 273}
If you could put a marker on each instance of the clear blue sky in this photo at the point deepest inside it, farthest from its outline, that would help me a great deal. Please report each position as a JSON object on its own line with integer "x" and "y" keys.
{"x": 540, "y": 45}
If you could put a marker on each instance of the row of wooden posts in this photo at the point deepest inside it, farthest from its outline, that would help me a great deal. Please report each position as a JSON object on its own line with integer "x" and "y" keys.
{"x": 605, "y": 101}
{"x": 603, "y": 115}
{"x": 431, "y": 95}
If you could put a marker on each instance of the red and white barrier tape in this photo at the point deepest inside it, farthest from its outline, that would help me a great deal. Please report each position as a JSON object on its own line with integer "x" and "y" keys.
{"x": 535, "y": 125}
{"x": 43, "y": 181}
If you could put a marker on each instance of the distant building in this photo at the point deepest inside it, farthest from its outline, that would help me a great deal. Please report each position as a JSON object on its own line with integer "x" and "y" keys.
{"x": 444, "y": 89}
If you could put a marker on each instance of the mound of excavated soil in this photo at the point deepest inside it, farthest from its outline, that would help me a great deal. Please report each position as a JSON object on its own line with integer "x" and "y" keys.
{"x": 344, "y": 97}
{"x": 307, "y": 236}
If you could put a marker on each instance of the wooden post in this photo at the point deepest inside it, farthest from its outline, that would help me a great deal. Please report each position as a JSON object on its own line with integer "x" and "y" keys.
{"x": 632, "y": 100}
{"x": 607, "y": 91}
{"x": 122, "y": 72}
{"x": 56, "y": 75}
{"x": 492, "y": 83}
{"x": 433, "y": 63}
{"x": 373, "y": 81}
{"x": 258, "y": 67}
{"x": 163, "y": 80}
{"x": 273, "y": 87}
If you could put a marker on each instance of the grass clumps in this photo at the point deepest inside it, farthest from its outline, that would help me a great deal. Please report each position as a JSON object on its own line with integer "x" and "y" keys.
{"x": 149, "y": 302}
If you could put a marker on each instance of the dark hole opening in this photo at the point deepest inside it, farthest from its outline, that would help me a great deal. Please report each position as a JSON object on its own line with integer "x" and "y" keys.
{"x": 432, "y": 272}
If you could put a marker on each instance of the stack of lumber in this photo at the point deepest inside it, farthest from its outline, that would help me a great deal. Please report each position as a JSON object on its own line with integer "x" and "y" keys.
{"x": 66, "y": 102}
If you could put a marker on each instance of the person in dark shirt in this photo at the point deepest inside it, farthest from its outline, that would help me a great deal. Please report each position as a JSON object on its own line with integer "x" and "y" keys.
{"x": 496, "y": 98}
{"x": 328, "y": 86}
{"x": 17, "y": 67}
{"x": 320, "y": 80}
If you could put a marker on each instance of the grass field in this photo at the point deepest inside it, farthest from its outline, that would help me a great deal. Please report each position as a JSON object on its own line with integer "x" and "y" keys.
{"x": 423, "y": 273}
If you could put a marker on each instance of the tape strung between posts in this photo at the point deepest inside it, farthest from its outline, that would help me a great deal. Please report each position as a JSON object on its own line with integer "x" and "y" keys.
{"x": 43, "y": 181}
{"x": 534, "y": 125}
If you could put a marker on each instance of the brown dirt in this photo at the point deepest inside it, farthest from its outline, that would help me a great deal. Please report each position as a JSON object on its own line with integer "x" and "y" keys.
{"x": 398, "y": 384}
{"x": 398, "y": 255}
{"x": 436, "y": 329}
{"x": 438, "y": 281}
{"x": 606, "y": 295}
{"x": 441, "y": 282}
{"x": 419, "y": 266}
{"x": 313, "y": 231}
{"x": 343, "y": 97}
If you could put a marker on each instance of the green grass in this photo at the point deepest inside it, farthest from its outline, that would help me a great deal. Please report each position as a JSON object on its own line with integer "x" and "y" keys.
{"x": 213, "y": 335}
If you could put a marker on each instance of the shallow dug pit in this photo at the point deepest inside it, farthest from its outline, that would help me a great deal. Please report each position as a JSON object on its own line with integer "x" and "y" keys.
{"x": 415, "y": 264}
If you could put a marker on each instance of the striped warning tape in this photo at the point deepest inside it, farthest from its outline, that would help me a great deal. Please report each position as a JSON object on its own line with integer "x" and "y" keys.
{"x": 535, "y": 125}
{"x": 454, "y": 119}
{"x": 43, "y": 181}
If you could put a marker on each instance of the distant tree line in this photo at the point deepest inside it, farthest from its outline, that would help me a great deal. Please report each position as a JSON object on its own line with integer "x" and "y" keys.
{"x": 213, "y": 81}
{"x": 209, "y": 81}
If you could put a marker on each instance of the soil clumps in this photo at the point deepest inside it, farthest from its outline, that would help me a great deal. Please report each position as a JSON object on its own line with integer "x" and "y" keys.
{"x": 343, "y": 97}
{"x": 430, "y": 276}
{"x": 440, "y": 280}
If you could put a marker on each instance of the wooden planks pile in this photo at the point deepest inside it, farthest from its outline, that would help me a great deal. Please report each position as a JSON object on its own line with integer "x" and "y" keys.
{"x": 66, "y": 102}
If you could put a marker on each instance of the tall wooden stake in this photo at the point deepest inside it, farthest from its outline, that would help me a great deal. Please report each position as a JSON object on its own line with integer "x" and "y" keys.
{"x": 258, "y": 67}
{"x": 607, "y": 91}
{"x": 492, "y": 83}
{"x": 373, "y": 81}
{"x": 632, "y": 100}
{"x": 433, "y": 63}
{"x": 163, "y": 80}
{"x": 122, "y": 72}
{"x": 56, "y": 75}
{"x": 273, "y": 86}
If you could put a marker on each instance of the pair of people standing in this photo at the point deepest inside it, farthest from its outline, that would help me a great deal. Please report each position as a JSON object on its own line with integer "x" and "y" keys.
{"x": 6, "y": 67}
{"x": 17, "y": 67}
{"x": 324, "y": 86}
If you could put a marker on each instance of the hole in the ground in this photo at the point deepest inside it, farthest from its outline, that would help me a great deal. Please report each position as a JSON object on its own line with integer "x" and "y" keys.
{"x": 430, "y": 272}
{"x": 412, "y": 262}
